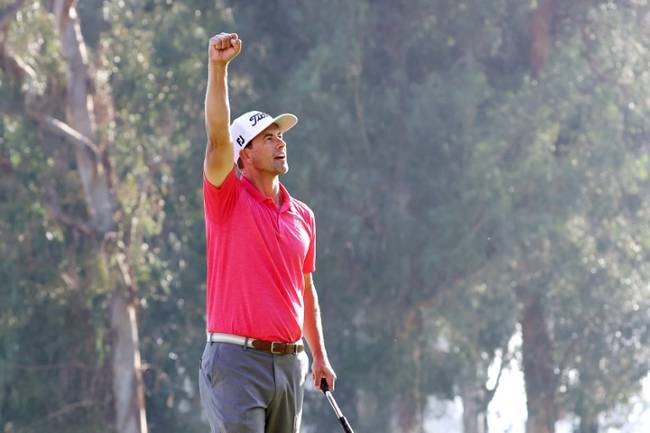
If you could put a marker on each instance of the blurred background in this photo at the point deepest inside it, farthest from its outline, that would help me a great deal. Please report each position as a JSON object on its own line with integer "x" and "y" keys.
{"x": 478, "y": 169}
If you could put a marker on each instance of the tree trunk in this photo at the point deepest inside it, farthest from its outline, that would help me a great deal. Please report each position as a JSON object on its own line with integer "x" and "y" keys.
{"x": 407, "y": 414}
{"x": 541, "y": 25}
{"x": 474, "y": 419}
{"x": 130, "y": 416}
{"x": 79, "y": 113}
{"x": 588, "y": 424}
{"x": 128, "y": 389}
{"x": 585, "y": 408}
{"x": 537, "y": 356}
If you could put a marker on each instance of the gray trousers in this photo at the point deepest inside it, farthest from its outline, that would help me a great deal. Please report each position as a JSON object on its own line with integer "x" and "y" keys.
{"x": 249, "y": 391}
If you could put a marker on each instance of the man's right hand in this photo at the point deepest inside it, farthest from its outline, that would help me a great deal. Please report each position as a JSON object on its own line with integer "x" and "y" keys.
{"x": 224, "y": 47}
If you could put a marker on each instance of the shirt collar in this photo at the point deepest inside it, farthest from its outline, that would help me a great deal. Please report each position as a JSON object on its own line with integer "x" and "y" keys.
{"x": 287, "y": 201}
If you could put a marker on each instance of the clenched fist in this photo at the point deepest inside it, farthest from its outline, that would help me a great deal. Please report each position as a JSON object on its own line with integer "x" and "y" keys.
{"x": 224, "y": 47}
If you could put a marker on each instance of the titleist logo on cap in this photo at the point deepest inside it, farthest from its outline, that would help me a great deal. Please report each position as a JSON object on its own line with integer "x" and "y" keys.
{"x": 256, "y": 117}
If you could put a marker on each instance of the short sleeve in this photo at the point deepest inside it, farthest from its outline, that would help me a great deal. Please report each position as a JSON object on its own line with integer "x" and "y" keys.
{"x": 218, "y": 202}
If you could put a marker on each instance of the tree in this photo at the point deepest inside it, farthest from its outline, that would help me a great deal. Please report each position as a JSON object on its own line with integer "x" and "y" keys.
{"x": 88, "y": 128}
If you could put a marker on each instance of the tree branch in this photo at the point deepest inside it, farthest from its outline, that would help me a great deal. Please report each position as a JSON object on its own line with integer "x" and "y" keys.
{"x": 14, "y": 66}
{"x": 20, "y": 71}
{"x": 72, "y": 407}
{"x": 64, "y": 130}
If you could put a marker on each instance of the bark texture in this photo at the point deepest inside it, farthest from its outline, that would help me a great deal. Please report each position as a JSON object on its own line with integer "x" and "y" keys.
{"x": 541, "y": 26}
{"x": 474, "y": 408}
{"x": 537, "y": 352}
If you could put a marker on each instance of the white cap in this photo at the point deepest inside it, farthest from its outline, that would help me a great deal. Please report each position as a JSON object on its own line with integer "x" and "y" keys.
{"x": 244, "y": 128}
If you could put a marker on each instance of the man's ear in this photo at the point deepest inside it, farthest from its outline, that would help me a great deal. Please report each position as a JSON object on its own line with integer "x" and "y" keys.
{"x": 243, "y": 155}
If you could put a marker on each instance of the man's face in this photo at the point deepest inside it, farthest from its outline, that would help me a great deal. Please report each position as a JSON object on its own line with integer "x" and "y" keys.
{"x": 267, "y": 152}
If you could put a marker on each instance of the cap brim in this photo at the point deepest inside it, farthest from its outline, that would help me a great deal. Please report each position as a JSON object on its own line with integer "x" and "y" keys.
{"x": 285, "y": 121}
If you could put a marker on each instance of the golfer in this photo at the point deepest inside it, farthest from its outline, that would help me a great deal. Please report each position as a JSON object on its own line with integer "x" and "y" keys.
{"x": 261, "y": 299}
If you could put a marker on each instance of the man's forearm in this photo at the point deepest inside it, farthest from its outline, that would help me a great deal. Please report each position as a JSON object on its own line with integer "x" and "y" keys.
{"x": 217, "y": 107}
{"x": 222, "y": 49}
{"x": 313, "y": 328}
{"x": 313, "y": 332}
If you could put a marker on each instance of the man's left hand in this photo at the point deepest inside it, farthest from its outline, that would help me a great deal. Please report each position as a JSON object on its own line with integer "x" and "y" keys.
{"x": 321, "y": 368}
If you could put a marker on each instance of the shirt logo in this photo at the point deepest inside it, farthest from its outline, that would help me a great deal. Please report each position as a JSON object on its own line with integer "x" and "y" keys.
{"x": 256, "y": 117}
{"x": 240, "y": 141}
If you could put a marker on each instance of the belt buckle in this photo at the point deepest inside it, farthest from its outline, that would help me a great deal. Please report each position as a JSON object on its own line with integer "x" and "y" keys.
{"x": 279, "y": 351}
{"x": 284, "y": 351}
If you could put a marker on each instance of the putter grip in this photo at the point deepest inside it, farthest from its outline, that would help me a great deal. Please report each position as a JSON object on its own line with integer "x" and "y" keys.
{"x": 346, "y": 425}
{"x": 323, "y": 385}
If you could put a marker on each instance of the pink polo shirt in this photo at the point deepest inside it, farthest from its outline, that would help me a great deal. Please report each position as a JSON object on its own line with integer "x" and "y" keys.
{"x": 256, "y": 257}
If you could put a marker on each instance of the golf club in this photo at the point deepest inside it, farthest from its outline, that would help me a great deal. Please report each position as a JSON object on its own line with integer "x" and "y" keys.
{"x": 326, "y": 390}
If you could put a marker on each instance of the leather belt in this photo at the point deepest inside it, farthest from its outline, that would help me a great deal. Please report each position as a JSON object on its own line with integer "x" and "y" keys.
{"x": 274, "y": 347}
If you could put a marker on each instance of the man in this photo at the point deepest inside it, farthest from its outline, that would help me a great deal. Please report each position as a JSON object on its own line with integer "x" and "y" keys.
{"x": 261, "y": 298}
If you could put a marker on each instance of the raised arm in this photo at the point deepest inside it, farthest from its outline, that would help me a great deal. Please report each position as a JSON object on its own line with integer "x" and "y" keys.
{"x": 218, "y": 160}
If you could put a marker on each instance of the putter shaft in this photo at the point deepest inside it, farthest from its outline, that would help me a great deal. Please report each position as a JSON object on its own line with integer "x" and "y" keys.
{"x": 330, "y": 398}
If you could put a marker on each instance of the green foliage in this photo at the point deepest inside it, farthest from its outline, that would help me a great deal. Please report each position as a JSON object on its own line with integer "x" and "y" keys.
{"x": 46, "y": 363}
{"x": 441, "y": 174}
